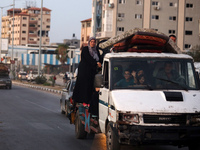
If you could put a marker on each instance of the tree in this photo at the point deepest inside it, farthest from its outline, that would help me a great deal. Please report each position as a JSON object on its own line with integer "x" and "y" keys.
{"x": 62, "y": 53}
{"x": 195, "y": 53}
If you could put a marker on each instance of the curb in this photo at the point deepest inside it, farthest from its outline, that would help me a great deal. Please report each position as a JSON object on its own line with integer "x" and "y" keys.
{"x": 38, "y": 87}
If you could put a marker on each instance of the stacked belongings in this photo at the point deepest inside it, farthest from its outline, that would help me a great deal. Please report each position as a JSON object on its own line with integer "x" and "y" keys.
{"x": 141, "y": 40}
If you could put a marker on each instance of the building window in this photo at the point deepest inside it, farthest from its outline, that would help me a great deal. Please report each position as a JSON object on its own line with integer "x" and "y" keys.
{"x": 48, "y": 20}
{"x": 187, "y": 45}
{"x": 155, "y": 17}
{"x": 23, "y": 31}
{"x": 83, "y": 26}
{"x": 82, "y": 39}
{"x": 122, "y": 1}
{"x": 31, "y": 32}
{"x": 171, "y": 4}
{"x": 121, "y": 15}
{"x": 171, "y": 31}
{"x": 188, "y": 32}
{"x": 120, "y": 29}
{"x": 23, "y": 39}
{"x": 88, "y": 24}
{"x": 138, "y": 16}
{"x": 24, "y": 18}
{"x": 24, "y": 25}
{"x": 172, "y": 18}
{"x": 138, "y": 2}
{"x": 47, "y": 12}
{"x": 47, "y": 26}
{"x": 188, "y": 5}
{"x": 88, "y": 37}
{"x": 31, "y": 25}
{"x": 155, "y": 3}
{"x": 188, "y": 19}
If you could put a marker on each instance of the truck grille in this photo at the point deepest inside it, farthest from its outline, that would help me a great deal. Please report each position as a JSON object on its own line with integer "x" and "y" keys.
{"x": 165, "y": 119}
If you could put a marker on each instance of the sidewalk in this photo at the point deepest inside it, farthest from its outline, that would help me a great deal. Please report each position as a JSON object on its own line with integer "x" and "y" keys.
{"x": 56, "y": 89}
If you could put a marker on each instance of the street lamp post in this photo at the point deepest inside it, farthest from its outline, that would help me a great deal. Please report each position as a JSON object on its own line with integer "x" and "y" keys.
{"x": 12, "y": 70}
{"x": 39, "y": 58}
{"x": 1, "y": 28}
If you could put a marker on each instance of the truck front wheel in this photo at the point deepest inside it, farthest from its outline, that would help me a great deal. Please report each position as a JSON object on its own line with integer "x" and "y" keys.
{"x": 194, "y": 146}
{"x": 111, "y": 139}
{"x": 79, "y": 128}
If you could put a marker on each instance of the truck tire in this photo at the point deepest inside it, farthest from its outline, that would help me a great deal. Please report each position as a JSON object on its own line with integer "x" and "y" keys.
{"x": 66, "y": 108}
{"x": 111, "y": 139}
{"x": 79, "y": 128}
{"x": 62, "y": 111}
{"x": 194, "y": 146}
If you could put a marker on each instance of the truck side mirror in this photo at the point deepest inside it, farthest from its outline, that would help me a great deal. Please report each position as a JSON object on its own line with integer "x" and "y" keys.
{"x": 98, "y": 81}
{"x": 198, "y": 80}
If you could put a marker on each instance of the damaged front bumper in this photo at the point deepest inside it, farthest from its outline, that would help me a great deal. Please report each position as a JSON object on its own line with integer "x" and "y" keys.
{"x": 173, "y": 135}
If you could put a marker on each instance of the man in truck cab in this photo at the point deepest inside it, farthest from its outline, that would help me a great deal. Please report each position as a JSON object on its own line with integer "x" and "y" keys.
{"x": 166, "y": 75}
{"x": 127, "y": 81}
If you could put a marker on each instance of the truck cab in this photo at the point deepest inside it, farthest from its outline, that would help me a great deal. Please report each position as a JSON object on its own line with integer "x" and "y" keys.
{"x": 161, "y": 111}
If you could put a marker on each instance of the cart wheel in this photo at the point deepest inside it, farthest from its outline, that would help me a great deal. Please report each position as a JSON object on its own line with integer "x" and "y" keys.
{"x": 79, "y": 127}
{"x": 111, "y": 139}
{"x": 62, "y": 111}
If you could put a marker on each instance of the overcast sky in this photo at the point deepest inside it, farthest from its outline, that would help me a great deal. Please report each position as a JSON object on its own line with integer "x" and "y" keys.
{"x": 65, "y": 16}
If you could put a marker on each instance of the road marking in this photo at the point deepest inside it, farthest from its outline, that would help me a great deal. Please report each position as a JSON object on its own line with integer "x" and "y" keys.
{"x": 41, "y": 106}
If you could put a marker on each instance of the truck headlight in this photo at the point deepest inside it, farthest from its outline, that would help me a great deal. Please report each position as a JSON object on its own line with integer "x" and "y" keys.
{"x": 130, "y": 118}
{"x": 195, "y": 119}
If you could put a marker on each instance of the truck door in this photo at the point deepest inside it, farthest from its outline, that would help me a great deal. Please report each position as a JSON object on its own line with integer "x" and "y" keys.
{"x": 103, "y": 98}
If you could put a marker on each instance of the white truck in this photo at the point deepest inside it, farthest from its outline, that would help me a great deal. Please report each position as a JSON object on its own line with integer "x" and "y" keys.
{"x": 164, "y": 110}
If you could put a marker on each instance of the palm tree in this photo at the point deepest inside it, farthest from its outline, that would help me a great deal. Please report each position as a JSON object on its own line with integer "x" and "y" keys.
{"x": 62, "y": 54}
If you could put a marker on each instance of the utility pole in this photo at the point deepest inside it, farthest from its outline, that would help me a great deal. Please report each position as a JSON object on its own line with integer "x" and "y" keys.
{"x": 1, "y": 32}
{"x": 94, "y": 18}
{"x": 12, "y": 73}
{"x": 39, "y": 58}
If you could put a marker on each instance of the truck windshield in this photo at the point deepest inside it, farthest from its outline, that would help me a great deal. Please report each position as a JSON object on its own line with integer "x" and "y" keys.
{"x": 153, "y": 74}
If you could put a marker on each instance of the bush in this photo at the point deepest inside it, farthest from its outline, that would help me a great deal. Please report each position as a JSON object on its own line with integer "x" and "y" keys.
{"x": 47, "y": 84}
{"x": 40, "y": 79}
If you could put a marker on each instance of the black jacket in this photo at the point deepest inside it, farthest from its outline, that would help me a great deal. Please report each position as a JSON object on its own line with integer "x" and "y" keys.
{"x": 87, "y": 69}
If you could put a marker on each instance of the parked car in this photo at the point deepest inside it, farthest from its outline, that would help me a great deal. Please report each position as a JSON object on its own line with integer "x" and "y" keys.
{"x": 5, "y": 80}
{"x": 22, "y": 75}
{"x": 66, "y": 100}
{"x": 32, "y": 75}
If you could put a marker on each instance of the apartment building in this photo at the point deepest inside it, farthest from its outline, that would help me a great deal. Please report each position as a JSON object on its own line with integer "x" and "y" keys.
{"x": 26, "y": 26}
{"x": 178, "y": 17}
{"x": 85, "y": 31}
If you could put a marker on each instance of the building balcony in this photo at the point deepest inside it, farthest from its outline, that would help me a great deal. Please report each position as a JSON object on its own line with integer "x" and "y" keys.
{"x": 33, "y": 21}
{"x": 32, "y": 35}
{"x": 32, "y": 42}
{"x": 104, "y": 35}
{"x": 32, "y": 28}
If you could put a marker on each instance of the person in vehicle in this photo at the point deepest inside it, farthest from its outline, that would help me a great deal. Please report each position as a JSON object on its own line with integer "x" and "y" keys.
{"x": 141, "y": 80}
{"x": 166, "y": 74}
{"x": 173, "y": 37}
{"x": 127, "y": 81}
{"x": 136, "y": 74}
{"x": 90, "y": 62}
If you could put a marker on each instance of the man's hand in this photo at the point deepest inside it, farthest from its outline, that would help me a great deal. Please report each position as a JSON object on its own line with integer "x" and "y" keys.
{"x": 99, "y": 64}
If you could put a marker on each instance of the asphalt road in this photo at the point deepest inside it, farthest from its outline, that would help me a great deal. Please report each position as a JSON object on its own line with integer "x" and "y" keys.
{"x": 31, "y": 120}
